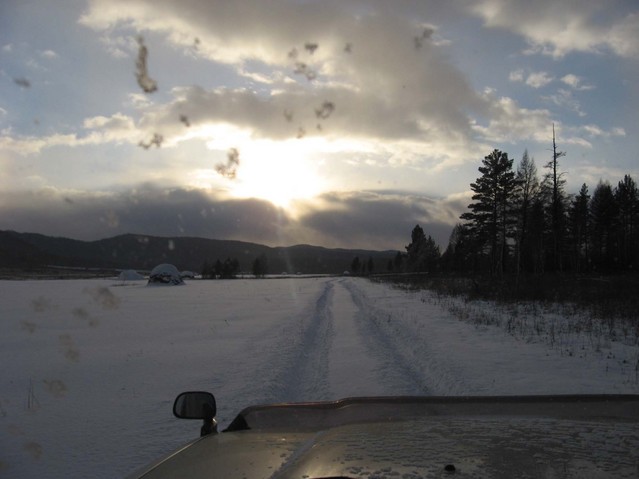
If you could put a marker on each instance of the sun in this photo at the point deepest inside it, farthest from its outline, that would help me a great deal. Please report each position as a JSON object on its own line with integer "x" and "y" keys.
{"x": 278, "y": 172}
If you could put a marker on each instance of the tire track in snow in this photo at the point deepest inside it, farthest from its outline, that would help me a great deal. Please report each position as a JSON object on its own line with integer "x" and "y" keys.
{"x": 295, "y": 366}
{"x": 403, "y": 336}
{"x": 354, "y": 370}
{"x": 306, "y": 379}
{"x": 399, "y": 372}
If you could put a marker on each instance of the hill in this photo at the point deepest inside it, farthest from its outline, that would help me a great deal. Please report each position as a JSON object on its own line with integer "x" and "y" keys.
{"x": 35, "y": 252}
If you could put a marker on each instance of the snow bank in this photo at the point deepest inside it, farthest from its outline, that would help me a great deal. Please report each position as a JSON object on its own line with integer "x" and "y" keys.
{"x": 130, "y": 275}
{"x": 165, "y": 274}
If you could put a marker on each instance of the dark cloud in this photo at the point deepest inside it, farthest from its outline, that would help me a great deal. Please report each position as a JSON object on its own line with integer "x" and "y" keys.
{"x": 145, "y": 210}
{"x": 378, "y": 220}
{"x": 375, "y": 219}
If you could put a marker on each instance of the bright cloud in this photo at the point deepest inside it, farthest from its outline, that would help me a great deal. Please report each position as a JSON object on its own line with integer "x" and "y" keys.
{"x": 558, "y": 28}
{"x": 49, "y": 54}
{"x": 510, "y": 122}
{"x": 98, "y": 130}
{"x": 539, "y": 79}
{"x": 576, "y": 82}
{"x": 534, "y": 79}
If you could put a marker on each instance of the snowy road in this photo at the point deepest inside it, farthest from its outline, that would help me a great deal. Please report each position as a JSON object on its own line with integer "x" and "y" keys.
{"x": 338, "y": 347}
{"x": 90, "y": 367}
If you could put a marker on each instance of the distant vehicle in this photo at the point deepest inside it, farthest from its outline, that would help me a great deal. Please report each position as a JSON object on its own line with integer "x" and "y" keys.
{"x": 411, "y": 437}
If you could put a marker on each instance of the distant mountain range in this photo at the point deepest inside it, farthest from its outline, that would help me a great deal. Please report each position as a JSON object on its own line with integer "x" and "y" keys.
{"x": 34, "y": 252}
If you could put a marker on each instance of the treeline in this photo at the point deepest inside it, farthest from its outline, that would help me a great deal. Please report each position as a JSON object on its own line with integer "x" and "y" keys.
{"x": 521, "y": 223}
{"x": 230, "y": 268}
{"x": 422, "y": 254}
{"x": 227, "y": 269}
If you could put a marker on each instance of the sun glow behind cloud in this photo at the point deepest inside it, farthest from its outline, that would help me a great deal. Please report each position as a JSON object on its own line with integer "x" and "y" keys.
{"x": 277, "y": 171}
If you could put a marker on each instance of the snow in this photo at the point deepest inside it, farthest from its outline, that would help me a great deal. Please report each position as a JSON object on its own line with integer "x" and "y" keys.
{"x": 90, "y": 368}
{"x": 165, "y": 274}
{"x": 130, "y": 275}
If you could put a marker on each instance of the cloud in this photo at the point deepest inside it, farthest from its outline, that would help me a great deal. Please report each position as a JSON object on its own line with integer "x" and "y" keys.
{"x": 511, "y": 123}
{"x": 576, "y": 82}
{"x": 534, "y": 79}
{"x": 377, "y": 220}
{"x": 26, "y": 145}
{"x": 558, "y": 28}
{"x": 147, "y": 209}
{"x": 565, "y": 98}
{"x": 595, "y": 131}
{"x": 430, "y": 100}
{"x": 516, "y": 76}
{"x": 97, "y": 130}
{"x": 429, "y": 113}
{"x": 539, "y": 79}
{"x": 119, "y": 46}
{"x": 117, "y": 125}
{"x": 48, "y": 54}
{"x": 623, "y": 37}
{"x": 592, "y": 174}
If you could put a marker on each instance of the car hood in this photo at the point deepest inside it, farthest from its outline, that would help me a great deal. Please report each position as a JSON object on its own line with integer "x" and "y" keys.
{"x": 422, "y": 437}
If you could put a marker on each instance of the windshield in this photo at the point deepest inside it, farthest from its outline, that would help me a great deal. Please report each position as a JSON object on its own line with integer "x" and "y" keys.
{"x": 302, "y": 200}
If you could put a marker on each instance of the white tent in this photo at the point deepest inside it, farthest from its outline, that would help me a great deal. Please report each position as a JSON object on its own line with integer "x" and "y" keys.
{"x": 165, "y": 274}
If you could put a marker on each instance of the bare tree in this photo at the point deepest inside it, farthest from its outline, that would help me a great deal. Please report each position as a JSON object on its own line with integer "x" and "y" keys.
{"x": 554, "y": 184}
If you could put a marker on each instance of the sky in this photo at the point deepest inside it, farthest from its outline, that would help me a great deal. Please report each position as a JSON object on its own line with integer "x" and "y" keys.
{"x": 338, "y": 123}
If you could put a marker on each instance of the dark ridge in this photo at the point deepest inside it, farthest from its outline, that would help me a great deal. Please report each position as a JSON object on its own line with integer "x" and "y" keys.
{"x": 30, "y": 251}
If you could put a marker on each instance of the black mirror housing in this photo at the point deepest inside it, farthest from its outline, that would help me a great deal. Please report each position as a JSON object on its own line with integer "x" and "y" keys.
{"x": 195, "y": 405}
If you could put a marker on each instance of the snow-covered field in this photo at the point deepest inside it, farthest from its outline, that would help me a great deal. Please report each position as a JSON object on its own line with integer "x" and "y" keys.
{"x": 90, "y": 367}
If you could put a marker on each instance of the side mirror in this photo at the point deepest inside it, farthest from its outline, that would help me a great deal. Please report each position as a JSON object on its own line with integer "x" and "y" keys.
{"x": 197, "y": 405}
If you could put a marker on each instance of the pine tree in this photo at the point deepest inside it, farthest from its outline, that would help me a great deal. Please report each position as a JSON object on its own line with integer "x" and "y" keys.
{"x": 207, "y": 270}
{"x": 370, "y": 266}
{"x": 603, "y": 210}
{"x": 260, "y": 266}
{"x": 399, "y": 261}
{"x": 490, "y": 218}
{"x": 355, "y": 265}
{"x": 422, "y": 254}
{"x": 579, "y": 229}
{"x": 461, "y": 252}
{"x": 218, "y": 269}
{"x": 536, "y": 236}
{"x": 627, "y": 199}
